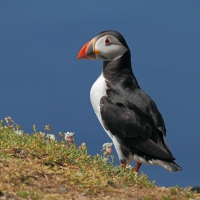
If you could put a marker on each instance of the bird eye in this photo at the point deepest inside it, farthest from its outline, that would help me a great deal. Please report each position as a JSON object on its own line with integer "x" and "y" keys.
{"x": 107, "y": 41}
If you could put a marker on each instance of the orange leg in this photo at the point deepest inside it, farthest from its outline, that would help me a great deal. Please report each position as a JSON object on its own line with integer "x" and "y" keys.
{"x": 138, "y": 164}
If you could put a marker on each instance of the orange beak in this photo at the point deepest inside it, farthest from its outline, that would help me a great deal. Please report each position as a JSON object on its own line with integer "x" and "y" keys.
{"x": 87, "y": 51}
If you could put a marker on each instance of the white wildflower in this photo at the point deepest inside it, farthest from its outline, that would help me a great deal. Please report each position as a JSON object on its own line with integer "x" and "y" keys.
{"x": 107, "y": 148}
{"x": 51, "y": 136}
{"x": 68, "y": 134}
{"x": 69, "y": 137}
{"x": 129, "y": 167}
{"x": 19, "y": 132}
{"x": 107, "y": 144}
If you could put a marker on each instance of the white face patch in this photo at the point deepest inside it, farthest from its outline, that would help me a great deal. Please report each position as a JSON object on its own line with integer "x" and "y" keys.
{"x": 109, "y": 48}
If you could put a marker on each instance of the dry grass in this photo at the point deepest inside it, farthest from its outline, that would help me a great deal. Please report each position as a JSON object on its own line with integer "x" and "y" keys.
{"x": 30, "y": 168}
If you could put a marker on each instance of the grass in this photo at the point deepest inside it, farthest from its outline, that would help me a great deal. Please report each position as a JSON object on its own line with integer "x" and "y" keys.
{"x": 32, "y": 168}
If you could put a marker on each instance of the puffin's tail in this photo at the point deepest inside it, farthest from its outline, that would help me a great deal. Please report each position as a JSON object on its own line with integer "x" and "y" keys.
{"x": 168, "y": 165}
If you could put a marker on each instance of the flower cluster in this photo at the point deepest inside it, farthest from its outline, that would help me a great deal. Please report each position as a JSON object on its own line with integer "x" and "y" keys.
{"x": 11, "y": 123}
{"x": 69, "y": 137}
{"x": 50, "y": 137}
{"x": 107, "y": 149}
{"x": 19, "y": 132}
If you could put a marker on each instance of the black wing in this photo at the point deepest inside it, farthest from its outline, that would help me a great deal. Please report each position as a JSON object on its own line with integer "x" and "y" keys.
{"x": 134, "y": 127}
{"x": 138, "y": 101}
{"x": 122, "y": 121}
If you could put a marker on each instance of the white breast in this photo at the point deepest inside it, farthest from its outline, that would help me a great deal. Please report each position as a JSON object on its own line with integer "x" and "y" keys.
{"x": 97, "y": 91}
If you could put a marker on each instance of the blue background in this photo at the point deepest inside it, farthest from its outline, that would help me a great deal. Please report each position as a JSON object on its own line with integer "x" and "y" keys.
{"x": 42, "y": 82}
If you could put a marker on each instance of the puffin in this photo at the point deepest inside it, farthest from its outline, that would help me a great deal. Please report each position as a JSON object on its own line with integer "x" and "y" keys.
{"x": 127, "y": 114}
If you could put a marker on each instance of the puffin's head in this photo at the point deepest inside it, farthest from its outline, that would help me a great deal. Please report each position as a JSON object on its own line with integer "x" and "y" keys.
{"x": 107, "y": 46}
